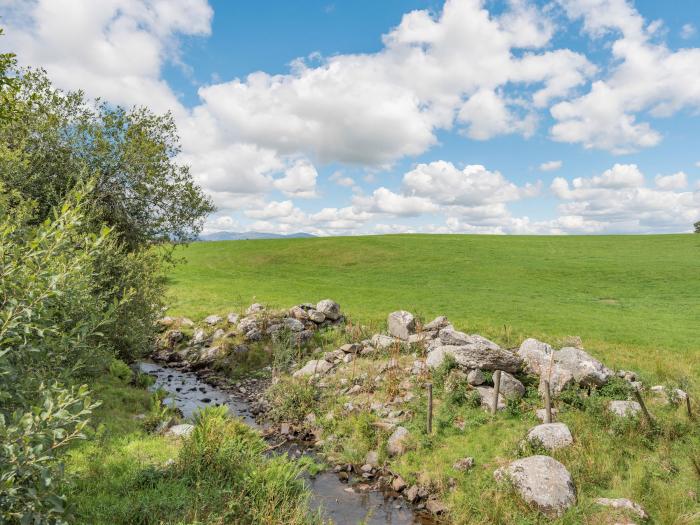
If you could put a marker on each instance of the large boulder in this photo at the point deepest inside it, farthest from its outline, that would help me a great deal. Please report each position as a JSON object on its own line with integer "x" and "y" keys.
{"x": 297, "y": 312}
{"x": 450, "y": 336}
{"x": 293, "y": 325}
{"x": 382, "y": 342}
{"x": 471, "y": 357}
{"x": 212, "y": 319}
{"x": 510, "y": 387}
{"x": 437, "y": 323}
{"x": 586, "y": 370}
{"x": 397, "y": 441}
{"x": 313, "y": 367}
{"x": 486, "y": 393}
{"x": 401, "y": 324}
{"x": 476, "y": 377}
{"x": 329, "y": 308}
{"x": 316, "y": 316}
{"x": 624, "y": 408}
{"x": 536, "y": 355}
{"x": 551, "y": 436}
{"x": 542, "y": 482}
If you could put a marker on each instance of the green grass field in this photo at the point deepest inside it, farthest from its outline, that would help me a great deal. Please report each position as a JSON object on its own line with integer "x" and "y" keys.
{"x": 635, "y": 300}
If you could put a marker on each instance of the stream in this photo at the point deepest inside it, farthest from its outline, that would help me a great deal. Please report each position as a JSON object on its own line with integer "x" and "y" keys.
{"x": 339, "y": 501}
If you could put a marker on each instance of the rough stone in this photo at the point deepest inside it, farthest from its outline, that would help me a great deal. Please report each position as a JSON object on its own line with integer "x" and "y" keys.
{"x": 542, "y": 482}
{"x": 246, "y": 324}
{"x": 382, "y": 342}
{"x": 198, "y": 337}
{"x": 233, "y": 318}
{"x": 624, "y": 408}
{"x": 437, "y": 323}
{"x": 212, "y": 319}
{"x": 624, "y": 504}
{"x": 435, "y": 506}
{"x": 351, "y": 348}
{"x": 218, "y": 334}
{"x": 297, "y": 312}
{"x": 464, "y": 464}
{"x": 472, "y": 357}
{"x": 422, "y": 337}
{"x": 586, "y": 370}
{"x": 312, "y": 367}
{"x": 536, "y": 355}
{"x": 372, "y": 458}
{"x": 486, "y": 393}
{"x": 398, "y": 484}
{"x": 412, "y": 494}
{"x": 552, "y": 436}
{"x": 450, "y": 336}
{"x": 510, "y": 387}
{"x": 401, "y": 324}
{"x": 329, "y": 308}
{"x": 540, "y": 414}
{"x": 316, "y": 316}
{"x": 255, "y": 308}
{"x": 475, "y": 377}
{"x": 397, "y": 441}
{"x": 293, "y": 324}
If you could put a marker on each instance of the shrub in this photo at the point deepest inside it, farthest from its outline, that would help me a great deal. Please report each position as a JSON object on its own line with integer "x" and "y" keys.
{"x": 120, "y": 370}
{"x": 290, "y": 399}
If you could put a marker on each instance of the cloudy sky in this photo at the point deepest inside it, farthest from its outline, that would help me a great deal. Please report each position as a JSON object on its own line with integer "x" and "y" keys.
{"x": 339, "y": 118}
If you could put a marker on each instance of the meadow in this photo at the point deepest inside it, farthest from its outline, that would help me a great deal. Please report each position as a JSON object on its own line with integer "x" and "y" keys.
{"x": 634, "y": 300}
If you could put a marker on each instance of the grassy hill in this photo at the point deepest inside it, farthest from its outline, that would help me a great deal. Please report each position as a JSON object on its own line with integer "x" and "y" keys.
{"x": 635, "y": 300}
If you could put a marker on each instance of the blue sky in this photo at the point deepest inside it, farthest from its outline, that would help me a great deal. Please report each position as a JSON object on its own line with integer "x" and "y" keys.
{"x": 338, "y": 118}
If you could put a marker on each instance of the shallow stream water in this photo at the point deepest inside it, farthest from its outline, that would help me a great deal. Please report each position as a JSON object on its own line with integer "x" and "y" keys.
{"x": 338, "y": 501}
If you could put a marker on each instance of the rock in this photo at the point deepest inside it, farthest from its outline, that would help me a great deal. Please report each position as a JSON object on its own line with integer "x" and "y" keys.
{"x": 372, "y": 458}
{"x": 212, "y": 319}
{"x": 182, "y": 430}
{"x": 552, "y": 436}
{"x": 437, "y": 323}
{"x": 246, "y": 324}
{"x": 435, "y": 506}
{"x": 398, "y": 484}
{"x": 198, "y": 337}
{"x": 184, "y": 321}
{"x": 412, "y": 494}
{"x": 624, "y": 408}
{"x": 476, "y": 377}
{"x": 382, "y": 342}
{"x": 329, "y": 308}
{"x": 348, "y": 358}
{"x": 303, "y": 337}
{"x": 284, "y": 429}
{"x": 586, "y": 370}
{"x": 559, "y": 378}
{"x": 536, "y": 355}
{"x": 398, "y": 441}
{"x": 627, "y": 375}
{"x": 540, "y": 413}
{"x": 464, "y": 464}
{"x": 624, "y": 504}
{"x": 542, "y": 482}
{"x": 422, "y": 337}
{"x": 316, "y": 316}
{"x": 255, "y": 308}
{"x": 401, "y": 324}
{"x": 297, "y": 312}
{"x": 454, "y": 380}
{"x": 510, "y": 387}
{"x": 253, "y": 335}
{"x": 351, "y": 348}
{"x": 293, "y": 325}
{"x": 675, "y": 395}
{"x": 209, "y": 354}
{"x": 233, "y": 318}
{"x": 419, "y": 367}
{"x": 486, "y": 393}
{"x": 175, "y": 336}
{"x": 472, "y": 357}
{"x": 165, "y": 321}
{"x": 218, "y": 334}
{"x": 450, "y": 336}
{"x": 313, "y": 367}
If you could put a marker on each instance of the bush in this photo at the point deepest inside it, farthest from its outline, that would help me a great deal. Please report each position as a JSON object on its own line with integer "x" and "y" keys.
{"x": 290, "y": 399}
{"x": 120, "y": 370}
{"x": 30, "y": 478}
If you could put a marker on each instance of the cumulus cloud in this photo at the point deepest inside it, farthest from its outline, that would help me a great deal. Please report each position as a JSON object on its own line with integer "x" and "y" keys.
{"x": 342, "y": 180}
{"x": 620, "y": 201}
{"x": 551, "y": 165}
{"x": 383, "y": 200}
{"x": 688, "y": 31}
{"x": 676, "y": 181}
{"x": 299, "y": 180}
{"x": 646, "y": 77}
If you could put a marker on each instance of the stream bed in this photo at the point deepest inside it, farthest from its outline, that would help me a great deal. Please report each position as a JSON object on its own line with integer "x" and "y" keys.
{"x": 339, "y": 501}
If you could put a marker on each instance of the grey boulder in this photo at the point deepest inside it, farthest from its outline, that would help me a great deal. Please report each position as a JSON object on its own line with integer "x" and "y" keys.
{"x": 401, "y": 324}
{"x": 551, "y": 436}
{"x": 510, "y": 387}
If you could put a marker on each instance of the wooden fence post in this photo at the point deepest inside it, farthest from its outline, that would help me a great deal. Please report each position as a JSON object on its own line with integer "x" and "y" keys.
{"x": 547, "y": 404}
{"x": 646, "y": 413}
{"x": 496, "y": 391}
{"x": 429, "y": 386}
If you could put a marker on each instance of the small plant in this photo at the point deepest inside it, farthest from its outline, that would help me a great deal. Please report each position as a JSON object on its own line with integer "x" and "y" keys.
{"x": 290, "y": 399}
{"x": 120, "y": 370}
{"x": 159, "y": 412}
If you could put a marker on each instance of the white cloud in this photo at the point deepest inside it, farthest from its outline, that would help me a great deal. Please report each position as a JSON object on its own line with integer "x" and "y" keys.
{"x": 342, "y": 180}
{"x": 646, "y": 77}
{"x": 619, "y": 200}
{"x": 676, "y": 181}
{"x": 299, "y": 180}
{"x": 221, "y": 223}
{"x": 551, "y": 165}
{"x": 688, "y": 31}
{"x": 384, "y": 200}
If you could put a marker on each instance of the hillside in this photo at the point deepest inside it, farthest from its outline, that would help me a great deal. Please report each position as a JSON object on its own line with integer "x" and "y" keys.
{"x": 634, "y": 300}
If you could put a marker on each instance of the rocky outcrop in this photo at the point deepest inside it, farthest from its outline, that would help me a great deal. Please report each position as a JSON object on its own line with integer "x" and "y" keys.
{"x": 401, "y": 324}
{"x": 551, "y": 436}
{"x": 330, "y": 309}
{"x": 542, "y": 482}
{"x": 473, "y": 357}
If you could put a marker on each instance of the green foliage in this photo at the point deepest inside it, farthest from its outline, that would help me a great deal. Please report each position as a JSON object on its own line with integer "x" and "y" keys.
{"x": 58, "y": 139}
{"x": 120, "y": 370}
{"x": 697, "y": 227}
{"x": 159, "y": 412}
{"x": 31, "y": 473}
{"x": 291, "y": 399}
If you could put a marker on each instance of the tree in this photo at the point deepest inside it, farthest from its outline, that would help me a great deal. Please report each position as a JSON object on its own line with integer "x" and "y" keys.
{"x": 55, "y": 139}
{"x": 697, "y": 227}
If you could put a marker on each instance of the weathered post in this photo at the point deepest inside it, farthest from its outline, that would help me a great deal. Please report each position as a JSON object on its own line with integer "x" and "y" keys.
{"x": 496, "y": 391}
{"x": 429, "y": 386}
{"x": 547, "y": 403}
{"x": 646, "y": 413}
{"x": 687, "y": 405}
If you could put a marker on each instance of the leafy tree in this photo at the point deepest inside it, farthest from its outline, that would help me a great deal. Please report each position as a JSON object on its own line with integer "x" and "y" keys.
{"x": 697, "y": 227}
{"x": 55, "y": 139}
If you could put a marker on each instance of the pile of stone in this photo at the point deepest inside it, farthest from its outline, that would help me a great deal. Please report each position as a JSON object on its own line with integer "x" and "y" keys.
{"x": 218, "y": 336}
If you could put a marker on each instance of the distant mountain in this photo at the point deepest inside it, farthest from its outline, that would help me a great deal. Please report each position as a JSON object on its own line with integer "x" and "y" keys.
{"x": 246, "y": 236}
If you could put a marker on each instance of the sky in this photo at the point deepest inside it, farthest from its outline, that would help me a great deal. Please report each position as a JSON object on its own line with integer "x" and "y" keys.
{"x": 367, "y": 117}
